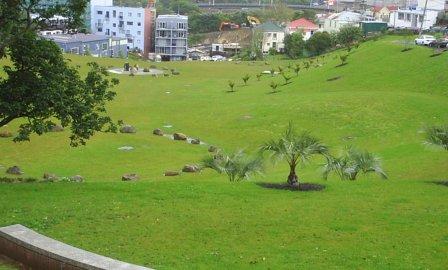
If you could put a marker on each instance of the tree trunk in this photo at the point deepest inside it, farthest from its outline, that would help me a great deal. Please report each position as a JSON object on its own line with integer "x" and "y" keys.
{"x": 293, "y": 180}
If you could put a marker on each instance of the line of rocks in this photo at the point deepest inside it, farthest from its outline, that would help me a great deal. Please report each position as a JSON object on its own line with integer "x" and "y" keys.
{"x": 47, "y": 177}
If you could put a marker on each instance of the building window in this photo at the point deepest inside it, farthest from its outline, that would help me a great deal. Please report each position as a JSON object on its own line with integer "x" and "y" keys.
{"x": 128, "y": 32}
{"x": 114, "y": 13}
{"x": 401, "y": 16}
{"x": 100, "y": 29}
{"x": 120, "y": 15}
{"x": 408, "y": 17}
{"x": 139, "y": 24}
{"x": 268, "y": 44}
{"x": 275, "y": 35}
{"x": 420, "y": 18}
{"x": 114, "y": 25}
{"x": 129, "y": 14}
{"x": 107, "y": 14}
{"x": 74, "y": 50}
{"x": 130, "y": 23}
{"x": 104, "y": 46}
{"x": 139, "y": 14}
{"x": 107, "y": 32}
{"x": 274, "y": 45}
{"x": 114, "y": 34}
{"x": 99, "y": 12}
{"x": 139, "y": 33}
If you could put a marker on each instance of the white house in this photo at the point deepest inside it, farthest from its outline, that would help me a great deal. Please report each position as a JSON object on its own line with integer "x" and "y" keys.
{"x": 412, "y": 18}
{"x": 335, "y": 22}
{"x": 306, "y": 27}
{"x": 273, "y": 37}
{"x": 134, "y": 24}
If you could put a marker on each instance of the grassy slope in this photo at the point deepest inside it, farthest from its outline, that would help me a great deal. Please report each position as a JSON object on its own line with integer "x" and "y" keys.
{"x": 200, "y": 221}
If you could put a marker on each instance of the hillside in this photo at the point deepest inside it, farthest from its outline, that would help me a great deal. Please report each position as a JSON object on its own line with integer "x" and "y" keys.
{"x": 381, "y": 101}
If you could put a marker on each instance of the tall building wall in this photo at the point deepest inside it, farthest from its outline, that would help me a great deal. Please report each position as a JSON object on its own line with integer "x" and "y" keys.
{"x": 150, "y": 17}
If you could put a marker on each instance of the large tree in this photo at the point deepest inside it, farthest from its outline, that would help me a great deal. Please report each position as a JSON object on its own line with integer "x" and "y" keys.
{"x": 40, "y": 86}
{"x": 294, "y": 45}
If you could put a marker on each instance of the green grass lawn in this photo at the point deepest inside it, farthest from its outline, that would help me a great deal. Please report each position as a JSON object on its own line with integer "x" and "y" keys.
{"x": 201, "y": 221}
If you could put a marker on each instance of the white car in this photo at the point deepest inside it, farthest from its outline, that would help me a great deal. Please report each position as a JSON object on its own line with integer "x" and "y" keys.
{"x": 424, "y": 40}
{"x": 218, "y": 58}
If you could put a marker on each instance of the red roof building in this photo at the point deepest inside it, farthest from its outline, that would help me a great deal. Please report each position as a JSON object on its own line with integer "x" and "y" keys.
{"x": 306, "y": 26}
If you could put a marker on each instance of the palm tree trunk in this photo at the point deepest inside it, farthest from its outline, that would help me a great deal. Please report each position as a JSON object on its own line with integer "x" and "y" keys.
{"x": 293, "y": 180}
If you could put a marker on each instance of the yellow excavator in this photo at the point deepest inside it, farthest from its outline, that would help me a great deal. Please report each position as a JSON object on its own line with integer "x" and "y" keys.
{"x": 253, "y": 21}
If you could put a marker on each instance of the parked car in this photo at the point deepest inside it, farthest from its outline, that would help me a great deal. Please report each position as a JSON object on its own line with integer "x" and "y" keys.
{"x": 440, "y": 43}
{"x": 424, "y": 40}
{"x": 217, "y": 58}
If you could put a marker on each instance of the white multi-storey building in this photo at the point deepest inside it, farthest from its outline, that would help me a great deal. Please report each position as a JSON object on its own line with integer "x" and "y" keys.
{"x": 415, "y": 17}
{"x": 135, "y": 24}
{"x": 171, "y": 40}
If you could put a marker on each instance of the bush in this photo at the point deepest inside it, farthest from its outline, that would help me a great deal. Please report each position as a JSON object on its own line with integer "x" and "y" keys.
{"x": 146, "y": 70}
{"x": 348, "y": 35}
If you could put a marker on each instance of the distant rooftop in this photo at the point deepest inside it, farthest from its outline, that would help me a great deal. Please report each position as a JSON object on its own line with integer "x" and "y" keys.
{"x": 270, "y": 27}
{"x": 173, "y": 16}
{"x": 70, "y": 38}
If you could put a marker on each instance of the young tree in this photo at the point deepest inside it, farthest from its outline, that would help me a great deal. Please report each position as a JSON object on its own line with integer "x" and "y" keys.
{"x": 294, "y": 45}
{"x": 231, "y": 86}
{"x": 295, "y": 149}
{"x": 343, "y": 58}
{"x": 351, "y": 162}
{"x": 258, "y": 76}
{"x": 438, "y": 136}
{"x": 273, "y": 86}
{"x": 319, "y": 43}
{"x": 237, "y": 166}
{"x": 272, "y": 71}
{"x": 246, "y": 78}
{"x": 297, "y": 69}
{"x": 286, "y": 77}
{"x": 40, "y": 85}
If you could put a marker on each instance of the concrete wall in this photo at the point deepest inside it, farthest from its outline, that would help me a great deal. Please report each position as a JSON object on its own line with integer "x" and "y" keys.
{"x": 40, "y": 252}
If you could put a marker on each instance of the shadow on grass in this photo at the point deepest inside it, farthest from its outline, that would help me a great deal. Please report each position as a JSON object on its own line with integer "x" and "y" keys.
{"x": 286, "y": 186}
{"x": 334, "y": 78}
{"x": 270, "y": 93}
{"x": 436, "y": 54}
{"x": 341, "y": 65}
{"x": 406, "y": 49}
{"x": 441, "y": 183}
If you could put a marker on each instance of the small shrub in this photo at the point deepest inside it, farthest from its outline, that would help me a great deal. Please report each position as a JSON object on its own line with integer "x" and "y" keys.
{"x": 146, "y": 70}
{"x": 272, "y": 72}
{"x": 297, "y": 69}
{"x": 437, "y": 136}
{"x": 258, "y": 76}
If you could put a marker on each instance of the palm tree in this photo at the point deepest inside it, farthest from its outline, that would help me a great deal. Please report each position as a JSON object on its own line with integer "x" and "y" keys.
{"x": 232, "y": 86}
{"x": 272, "y": 72}
{"x": 295, "y": 149}
{"x": 237, "y": 166}
{"x": 437, "y": 135}
{"x": 246, "y": 78}
{"x": 351, "y": 162}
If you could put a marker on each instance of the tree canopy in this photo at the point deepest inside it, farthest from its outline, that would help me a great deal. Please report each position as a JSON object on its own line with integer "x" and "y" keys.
{"x": 294, "y": 45}
{"x": 40, "y": 86}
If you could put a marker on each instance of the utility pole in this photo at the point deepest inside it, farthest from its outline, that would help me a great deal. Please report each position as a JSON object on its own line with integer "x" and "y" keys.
{"x": 423, "y": 19}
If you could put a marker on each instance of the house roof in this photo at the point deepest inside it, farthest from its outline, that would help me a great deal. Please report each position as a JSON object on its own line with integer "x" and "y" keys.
{"x": 302, "y": 24}
{"x": 390, "y": 8}
{"x": 347, "y": 16}
{"x": 67, "y": 38}
{"x": 270, "y": 27}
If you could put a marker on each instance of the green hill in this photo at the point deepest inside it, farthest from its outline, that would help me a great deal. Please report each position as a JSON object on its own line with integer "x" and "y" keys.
{"x": 381, "y": 101}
